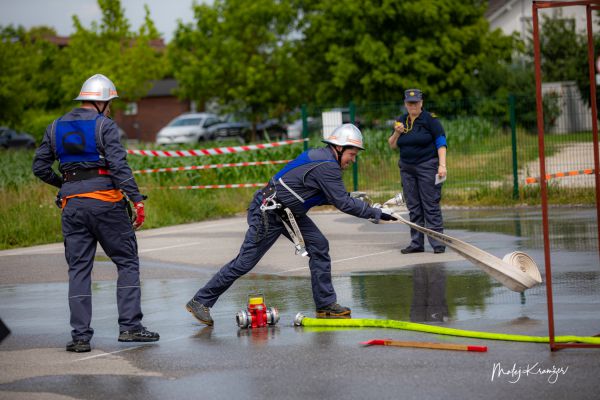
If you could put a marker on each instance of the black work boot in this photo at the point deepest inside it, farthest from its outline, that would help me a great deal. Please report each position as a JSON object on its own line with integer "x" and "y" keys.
{"x": 410, "y": 250}
{"x": 139, "y": 335}
{"x": 333, "y": 310}
{"x": 200, "y": 312}
{"x": 79, "y": 346}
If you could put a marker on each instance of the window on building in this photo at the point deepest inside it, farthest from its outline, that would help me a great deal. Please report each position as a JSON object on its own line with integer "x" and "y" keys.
{"x": 131, "y": 109}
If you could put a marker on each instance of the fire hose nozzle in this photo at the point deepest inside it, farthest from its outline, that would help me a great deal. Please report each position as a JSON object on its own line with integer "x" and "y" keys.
{"x": 301, "y": 250}
{"x": 298, "y": 319}
{"x": 397, "y": 200}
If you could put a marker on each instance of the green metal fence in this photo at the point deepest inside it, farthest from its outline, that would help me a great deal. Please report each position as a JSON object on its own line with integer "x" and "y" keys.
{"x": 492, "y": 148}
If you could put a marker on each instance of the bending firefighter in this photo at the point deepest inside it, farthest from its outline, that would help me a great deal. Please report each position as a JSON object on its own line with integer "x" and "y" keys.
{"x": 94, "y": 171}
{"x": 313, "y": 178}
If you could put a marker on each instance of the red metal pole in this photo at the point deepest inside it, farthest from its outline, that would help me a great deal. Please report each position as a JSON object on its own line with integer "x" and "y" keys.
{"x": 555, "y": 4}
{"x": 543, "y": 187}
{"x": 594, "y": 114}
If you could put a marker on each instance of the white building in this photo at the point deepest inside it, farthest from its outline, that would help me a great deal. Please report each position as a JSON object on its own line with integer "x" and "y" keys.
{"x": 516, "y": 16}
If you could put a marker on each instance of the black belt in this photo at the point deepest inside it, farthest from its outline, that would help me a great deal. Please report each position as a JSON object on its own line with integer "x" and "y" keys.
{"x": 82, "y": 174}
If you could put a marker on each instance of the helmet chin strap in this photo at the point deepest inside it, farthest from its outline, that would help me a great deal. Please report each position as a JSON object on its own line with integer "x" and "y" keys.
{"x": 339, "y": 153}
{"x": 105, "y": 104}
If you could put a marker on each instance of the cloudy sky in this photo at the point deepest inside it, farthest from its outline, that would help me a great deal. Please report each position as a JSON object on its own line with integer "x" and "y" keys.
{"x": 57, "y": 13}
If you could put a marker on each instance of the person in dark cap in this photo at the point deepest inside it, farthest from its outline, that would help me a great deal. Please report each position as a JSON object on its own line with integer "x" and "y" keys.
{"x": 421, "y": 140}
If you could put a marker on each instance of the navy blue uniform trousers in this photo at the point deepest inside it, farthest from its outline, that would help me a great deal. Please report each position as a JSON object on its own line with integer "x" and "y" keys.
{"x": 86, "y": 222}
{"x": 258, "y": 241}
{"x": 422, "y": 198}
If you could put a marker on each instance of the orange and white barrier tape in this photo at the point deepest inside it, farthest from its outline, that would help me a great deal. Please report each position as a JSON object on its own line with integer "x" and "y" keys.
{"x": 560, "y": 175}
{"x": 228, "y": 186}
{"x": 197, "y": 167}
{"x": 211, "y": 152}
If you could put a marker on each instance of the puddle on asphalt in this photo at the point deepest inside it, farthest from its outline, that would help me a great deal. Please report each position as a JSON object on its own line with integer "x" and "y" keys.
{"x": 458, "y": 292}
{"x": 572, "y": 229}
{"x": 444, "y": 293}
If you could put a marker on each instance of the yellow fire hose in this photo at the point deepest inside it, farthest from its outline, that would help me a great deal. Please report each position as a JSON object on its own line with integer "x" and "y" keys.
{"x": 301, "y": 320}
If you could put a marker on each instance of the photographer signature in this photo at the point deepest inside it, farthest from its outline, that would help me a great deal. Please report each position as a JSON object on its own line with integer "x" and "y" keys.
{"x": 516, "y": 373}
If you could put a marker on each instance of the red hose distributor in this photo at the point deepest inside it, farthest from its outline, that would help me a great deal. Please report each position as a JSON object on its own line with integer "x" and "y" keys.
{"x": 257, "y": 313}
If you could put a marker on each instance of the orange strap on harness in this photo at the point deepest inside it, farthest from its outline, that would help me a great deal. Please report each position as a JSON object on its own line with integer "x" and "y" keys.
{"x": 111, "y": 196}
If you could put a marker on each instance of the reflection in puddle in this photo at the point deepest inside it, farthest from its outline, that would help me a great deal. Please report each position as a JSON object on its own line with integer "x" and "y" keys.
{"x": 573, "y": 229}
{"x": 448, "y": 293}
{"x": 421, "y": 294}
{"x": 429, "y": 294}
{"x": 257, "y": 336}
{"x": 438, "y": 294}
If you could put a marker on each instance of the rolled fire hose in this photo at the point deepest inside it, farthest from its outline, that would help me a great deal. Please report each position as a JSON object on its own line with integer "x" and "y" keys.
{"x": 301, "y": 320}
{"x": 517, "y": 270}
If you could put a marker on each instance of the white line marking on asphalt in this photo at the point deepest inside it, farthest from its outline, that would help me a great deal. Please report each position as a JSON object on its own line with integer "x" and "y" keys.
{"x": 170, "y": 247}
{"x": 175, "y": 229}
{"x": 339, "y": 261}
{"x": 128, "y": 349}
{"x": 58, "y": 248}
{"x": 28, "y": 251}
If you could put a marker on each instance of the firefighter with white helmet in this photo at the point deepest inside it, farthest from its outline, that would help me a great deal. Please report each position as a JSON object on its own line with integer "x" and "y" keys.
{"x": 98, "y": 88}
{"x": 314, "y": 178}
{"x": 94, "y": 176}
{"x": 347, "y": 135}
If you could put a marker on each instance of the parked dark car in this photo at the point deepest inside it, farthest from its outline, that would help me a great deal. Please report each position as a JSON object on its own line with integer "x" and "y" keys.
{"x": 241, "y": 129}
{"x": 273, "y": 128}
{"x": 232, "y": 127}
{"x": 10, "y": 139}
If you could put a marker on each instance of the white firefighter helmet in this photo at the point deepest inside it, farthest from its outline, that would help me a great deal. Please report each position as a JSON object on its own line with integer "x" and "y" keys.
{"x": 97, "y": 88}
{"x": 346, "y": 135}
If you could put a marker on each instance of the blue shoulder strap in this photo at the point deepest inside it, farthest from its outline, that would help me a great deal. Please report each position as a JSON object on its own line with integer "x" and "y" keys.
{"x": 299, "y": 161}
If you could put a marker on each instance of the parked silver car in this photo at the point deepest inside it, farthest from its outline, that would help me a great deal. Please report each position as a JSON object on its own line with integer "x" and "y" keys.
{"x": 187, "y": 128}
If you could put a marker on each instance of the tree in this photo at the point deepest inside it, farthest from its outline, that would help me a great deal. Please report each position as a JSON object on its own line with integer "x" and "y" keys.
{"x": 272, "y": 55}
{"x": 39, "y": 80}
{"x": 112, "y": 49}
{"x": 23, "y": 84}
{"x": 373, "y": 50}
{"x": 561, "y": 49}
{"x": 242, "y": 55}
{"x": 582, "y": 78}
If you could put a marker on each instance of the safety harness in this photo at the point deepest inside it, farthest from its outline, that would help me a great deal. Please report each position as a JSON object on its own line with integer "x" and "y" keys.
{"x": 271, "y": 203}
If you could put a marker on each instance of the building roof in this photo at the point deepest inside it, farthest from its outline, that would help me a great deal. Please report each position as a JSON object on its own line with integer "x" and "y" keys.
{"x": 62, "y": 41}
{"x": 163, "y": 87}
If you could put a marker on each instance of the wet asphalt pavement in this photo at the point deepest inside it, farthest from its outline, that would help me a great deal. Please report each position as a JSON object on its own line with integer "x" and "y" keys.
{"x": 286, "y": 362}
